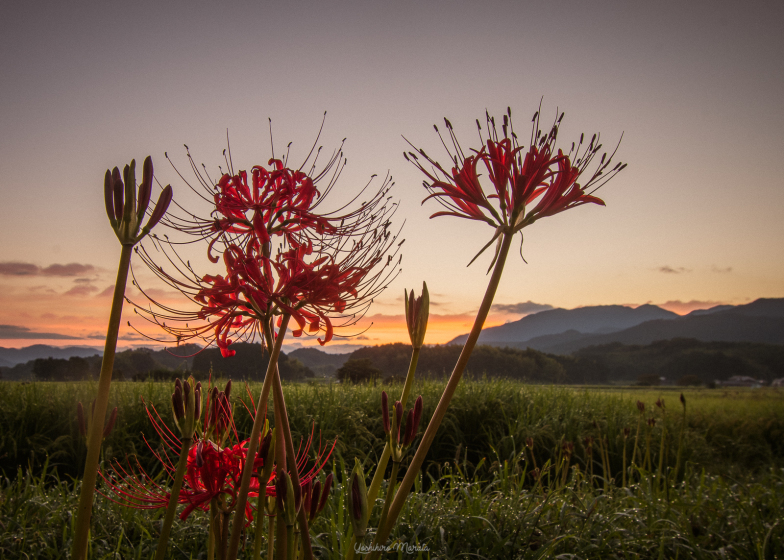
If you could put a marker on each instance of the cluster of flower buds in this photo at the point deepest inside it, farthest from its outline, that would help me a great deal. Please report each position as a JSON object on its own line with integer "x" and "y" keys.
{"x": 314, "y": 498}
{"x": 568, "y": 448}
{"x": 358, "y": 502}
{"x": 660, "y": 403}
{"x": 125, "y": 211}
{"x": 288, "y": 497}
{"x": 626, "y": 432}
{"x": 417, "y": 311}
{"x": 218, "y": 419}
{"x": 186, "y": 406}
{"x": 84, "y": 422}
{"x": 392, "y": 429}
{"x": 641, "y": 406}
{"x": 651, "y": 422}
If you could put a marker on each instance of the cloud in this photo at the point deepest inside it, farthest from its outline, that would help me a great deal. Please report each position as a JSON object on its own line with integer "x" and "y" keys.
{"x": 670, "y": 270}
{"x": 18, "y": 269}
{"x": 11, "y": 332}
{"x": 720, "y": 270}
{"x": 523, "y": 308}
{"x": 81, "y": 290}
{"x": 15, "y": 268}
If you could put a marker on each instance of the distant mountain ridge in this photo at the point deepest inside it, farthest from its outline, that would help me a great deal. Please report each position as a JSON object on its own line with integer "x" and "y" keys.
{"x": 759, "y": 321}
{"x": 12, "y": 356}
{"x": 594, "y": 319}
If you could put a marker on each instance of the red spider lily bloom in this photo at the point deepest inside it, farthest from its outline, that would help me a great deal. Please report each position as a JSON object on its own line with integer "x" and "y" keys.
{"x": 213, "y": 472}
{"x": 279, "y": 256}
{"x": 539, "y": 176}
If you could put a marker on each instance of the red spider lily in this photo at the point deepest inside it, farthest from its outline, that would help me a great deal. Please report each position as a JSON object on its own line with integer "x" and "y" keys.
{"x": 213, "y": 472}
{"x": 325, "y": 274}
{"x": 520, "y": 178}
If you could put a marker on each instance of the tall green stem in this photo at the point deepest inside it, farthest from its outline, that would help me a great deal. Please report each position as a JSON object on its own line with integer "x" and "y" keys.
{"x": 253, "y": 442}
{"x": 680, "y": 442}
{"x": 171, "y": 509}
{"x": 390, "y": 493}
{"x": 378, "y": 477}
{"x": 427, "y": 439}
{"x": 79, "y": 548}
{"x": 261, "y": 509}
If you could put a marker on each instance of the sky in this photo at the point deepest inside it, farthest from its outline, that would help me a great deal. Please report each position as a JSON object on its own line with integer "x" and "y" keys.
{"x": 694, "y": 87}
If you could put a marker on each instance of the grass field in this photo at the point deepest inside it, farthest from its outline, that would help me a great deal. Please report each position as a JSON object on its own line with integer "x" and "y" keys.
{"x": 477, "y": 496}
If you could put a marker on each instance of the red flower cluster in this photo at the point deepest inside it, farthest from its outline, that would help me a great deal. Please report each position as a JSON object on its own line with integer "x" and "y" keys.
{"x": 539, "y": 176}
{"x": 281, "y": 256}
{"x": 213, "y": 472}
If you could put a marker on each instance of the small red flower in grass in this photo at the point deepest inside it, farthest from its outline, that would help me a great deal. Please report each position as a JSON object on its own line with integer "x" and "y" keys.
{"x": 526, "y": 184}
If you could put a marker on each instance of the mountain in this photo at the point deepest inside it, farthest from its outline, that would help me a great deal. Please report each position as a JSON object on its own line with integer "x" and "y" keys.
{"x": 760, "y": 321}
{"x": 12, "y": 356}
{"x": 596, "y": 319}
{"x": 320, "y": 362}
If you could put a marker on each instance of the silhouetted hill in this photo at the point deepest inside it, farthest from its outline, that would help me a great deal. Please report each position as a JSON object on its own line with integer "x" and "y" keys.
{"x": 322, "y": 363}
{"x": 601, "y": 318}
{"x": 12, "y": 356}
{"x": 760, "y": 321}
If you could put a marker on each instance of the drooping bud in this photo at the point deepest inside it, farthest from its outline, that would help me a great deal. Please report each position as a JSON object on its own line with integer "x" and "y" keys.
{"x": 417, "y": 312}
{"x": 357, "y": 503}
{"x": 683, "y": 401}
{"x": 385, "y": 412}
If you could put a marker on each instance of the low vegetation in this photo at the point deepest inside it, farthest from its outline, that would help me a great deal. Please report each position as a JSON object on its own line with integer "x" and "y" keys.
{"x": 577, "y": 486}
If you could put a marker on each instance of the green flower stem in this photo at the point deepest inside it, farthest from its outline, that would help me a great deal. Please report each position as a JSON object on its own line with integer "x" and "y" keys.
{"x": 291, "y": 545}
{"x": 378, "y": 477}
{"x": 390, "y": 493}
{"x": 291, "y": 458}
{"x": 271, "y": 537}
{"x": 680, "y": 443}
{"x": 261, "y": 509}
{"x": 171, "y": 509}
{"x": 95, "y": 435}
{"x": 211, "y": 537}
{"x": 435, "y": 422}
{"x": 280, "y": 461}
{"x": 247, "y": 470}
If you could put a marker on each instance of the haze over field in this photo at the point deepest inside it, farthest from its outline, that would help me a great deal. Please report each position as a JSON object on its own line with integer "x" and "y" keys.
{"x": 693, "y": 222}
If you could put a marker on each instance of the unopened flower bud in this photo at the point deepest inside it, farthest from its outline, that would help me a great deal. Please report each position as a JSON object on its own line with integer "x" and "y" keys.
{"x": 287, "y": 498}
{"x": 398, "y": 420}
{"x": 641, "y": 406}
{"x": 660, "y": 403}
{"x": 311, "y": 503}
{"x": 683, "y": 400}
{"x": 325, "y": 494}
{"x": 178, "y": 407}
{"x": 417, "y": 412}
{"x": 410, "y": 433}
{"x": 357, "y": 503}
{"x": 385, "y": 412}
{"x": 110, "y": 424}
{"x": 417, "y": 312}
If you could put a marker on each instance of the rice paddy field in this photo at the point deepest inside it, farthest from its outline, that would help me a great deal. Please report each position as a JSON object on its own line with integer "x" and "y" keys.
{"x": 516, "y": 471}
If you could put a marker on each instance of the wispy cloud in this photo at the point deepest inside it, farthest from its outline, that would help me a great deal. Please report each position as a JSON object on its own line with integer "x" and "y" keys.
{"x": 16, "y": 268}
{"x": 522, "y": 308}
{"x": 670, "y": 270}
{"x": 13, "y": 332}
{"x": 81, "y": 290}
{"x": 721, "y": 270}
